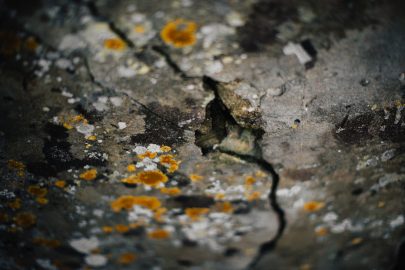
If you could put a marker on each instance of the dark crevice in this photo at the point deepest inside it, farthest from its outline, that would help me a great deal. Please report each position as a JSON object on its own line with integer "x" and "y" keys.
{"x": 143, "y": 107}
{"x": 216, "y": 127}
{"x": 95, "y": 13}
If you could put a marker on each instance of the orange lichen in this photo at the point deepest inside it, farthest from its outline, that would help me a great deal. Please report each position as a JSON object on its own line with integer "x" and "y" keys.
{"x": 250, "y": 180}
{"x": 128, "y": 201}
{"x": 42, "y": 200}
{"x": 195, "y": 177}
{"x": 107, "y": 229}
{"x": 170, "y": 162}
{"x": 321, "y": 231}
{"x": 159, "y": 234}
{"x": 89, "y": 175}
{"x": 158, "y": 216}
{"x": 121, "y": 228}
{"x": 127, "y": 258}
{"x": 147, "y": 154}
{"x": 173, "y": 167}
{"x": 165, "y": 148}
{"x": 166, "y": 159}
{"x": 15, "y": 204}
{"x": 254, "y": 196}
{"x": 50, "y": 243}
{"x": 115, "y": 44}
{"x": 179, "y": 33}
{"x": 173, "y": 191}
{"x": 25, "y": 220}
{"x": 131, "y": 168}
{"x": 150, "y": 178}
{"x": 37, "y": 191}
{"x": 140, "y": 29}
{"x": 356, "y": 241}
{"x": 194, "y": 213}
{"x": 313, "y": 206}
{"x": 14, "y": 164}
{"x": 225, "y": 207}
{"x": 60, "y": 183}
{"x": 17, "y": 166}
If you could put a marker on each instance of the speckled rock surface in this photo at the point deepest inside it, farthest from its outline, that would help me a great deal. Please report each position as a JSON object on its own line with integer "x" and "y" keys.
{"x": 186, "y": 134}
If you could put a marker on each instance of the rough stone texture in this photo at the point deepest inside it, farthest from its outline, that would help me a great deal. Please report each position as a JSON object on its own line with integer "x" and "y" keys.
{"x": 296, "y": 166}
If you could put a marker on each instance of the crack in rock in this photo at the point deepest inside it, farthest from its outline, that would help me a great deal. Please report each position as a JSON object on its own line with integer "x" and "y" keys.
{"x": 221, "y": 132}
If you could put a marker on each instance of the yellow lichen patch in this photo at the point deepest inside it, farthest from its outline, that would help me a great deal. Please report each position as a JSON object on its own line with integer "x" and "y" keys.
{"x": 250, "y": 180}
{"x": 219, "y": 196}
{"x": 37, "y": 191}
{"x": 356, "y": 241}
{"x": 89, "y": 175}
{"x": 195, "y": 213}
{"x": 159, "y": 234}
{"x": 173, "y": 191}
{"x": 121, "y": 228}
{"x": 195, "y": 177}
{"x": 321, "y": 231}
{"x": 147, "y": 154}
{"x": 115, "y": 44}
{"x": 107, "y": 229}
{"x": 67, "y": 125}
{"x": 254, "y": 196}
{"x": 179, "y": 33}
{"x": 225, "y": 207}
{"x": 140, "y": 29}
{"x": 136, "y": 225}
{"x": 131, "y": 180}
{"x": 91, "y": 138}
{"x": 131, "y": 168}
{"x": 152, "y": 178}
{"x": 127, "y": 258}
{"x": 260, "y": 174}
{"x": 78, "y": 118}
{"x": 165, "y": 148}
{"x": 313, "y": 206}
{"x": 158, "y": 216}
{"x": 15, "y": 204}
{"x": 60, "y": 183}
{"x": 381, "y": 204}
{"x": 42, "y": 200}
{"x": 25, "y": 220}
{"x": 50, "y": 243}
{"x": 128, "y": 201}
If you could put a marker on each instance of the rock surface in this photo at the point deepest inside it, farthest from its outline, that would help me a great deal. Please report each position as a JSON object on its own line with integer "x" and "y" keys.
{"x": 178, "y": 135}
